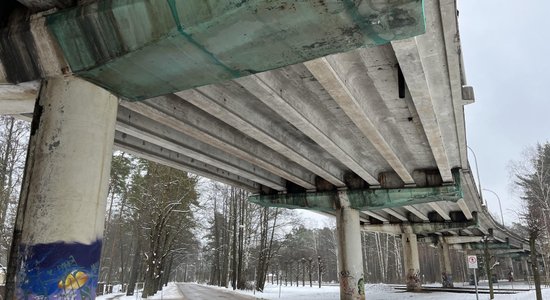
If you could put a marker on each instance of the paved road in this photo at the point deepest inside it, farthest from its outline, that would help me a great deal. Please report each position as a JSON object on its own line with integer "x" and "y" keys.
{"x": 193, "y": 291}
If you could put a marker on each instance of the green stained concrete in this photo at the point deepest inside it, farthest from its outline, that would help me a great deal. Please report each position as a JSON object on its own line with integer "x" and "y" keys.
{"x": 494, "y": 246}
{"x": 366, "y": 199}
{"x": 140, "y": 49}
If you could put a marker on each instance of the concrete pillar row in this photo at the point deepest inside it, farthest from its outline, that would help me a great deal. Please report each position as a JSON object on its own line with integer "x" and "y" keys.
{"x": 59, "y": 227}
{"x": 445, "y": 264}
{"x": 350, "y": 260}
{"x": 411, "y": 261}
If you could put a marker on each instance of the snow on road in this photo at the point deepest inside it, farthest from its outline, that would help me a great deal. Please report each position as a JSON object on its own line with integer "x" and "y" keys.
{"x": 372, "y": 291}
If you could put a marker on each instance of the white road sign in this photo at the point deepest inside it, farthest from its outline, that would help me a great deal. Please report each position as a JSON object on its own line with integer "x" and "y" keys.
{"x": 472, "y": 262}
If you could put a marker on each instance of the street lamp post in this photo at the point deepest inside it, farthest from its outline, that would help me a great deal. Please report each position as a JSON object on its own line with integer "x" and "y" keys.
{"x": 478, "y": 180}
{"x": 499, "y": 205}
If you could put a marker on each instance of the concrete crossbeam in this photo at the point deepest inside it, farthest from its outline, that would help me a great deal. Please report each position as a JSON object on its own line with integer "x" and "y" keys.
{"x": 363, "y": 199}
{"x": 419, "y": 228}
{"x": 463, "y": 239}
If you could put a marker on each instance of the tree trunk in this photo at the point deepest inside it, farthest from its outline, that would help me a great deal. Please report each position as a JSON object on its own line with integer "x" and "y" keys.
{"x": 234, "y": 244}
{"x": 135, "y": 270}
{"x": 240, "y": 268}
{"x": 535, "y": 265}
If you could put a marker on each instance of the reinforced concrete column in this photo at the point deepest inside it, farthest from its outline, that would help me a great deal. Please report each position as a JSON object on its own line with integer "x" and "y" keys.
{"x": 510, "y": 264}
{"x": 525, "y": 268}
{"x": 411, "y": 260}
{"x": 59, "y": 226}
{"x": 445, "y": 264}
{"x": 350, "y": 260}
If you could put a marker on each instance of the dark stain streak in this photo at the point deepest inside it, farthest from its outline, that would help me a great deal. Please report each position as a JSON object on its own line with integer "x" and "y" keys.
{"x": 38, "y": 109}
{"x": 53, "y": 145}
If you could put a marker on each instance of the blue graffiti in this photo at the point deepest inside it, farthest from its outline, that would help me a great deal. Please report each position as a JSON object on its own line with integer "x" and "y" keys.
{"x": 58, "y": 271}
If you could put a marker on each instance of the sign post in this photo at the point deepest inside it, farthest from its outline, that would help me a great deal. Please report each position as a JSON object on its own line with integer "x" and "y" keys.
{"x": 472, "y": 264}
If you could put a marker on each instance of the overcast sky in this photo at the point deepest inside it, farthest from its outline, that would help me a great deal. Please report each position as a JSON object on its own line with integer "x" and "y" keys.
{"x": 506, "y": 49}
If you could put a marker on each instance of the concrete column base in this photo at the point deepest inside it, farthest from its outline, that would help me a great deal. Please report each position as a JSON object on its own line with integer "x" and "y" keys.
{"x": 350, "y": 259}
{"x": 445, "y": 264}
{"x": 411, "y": 262}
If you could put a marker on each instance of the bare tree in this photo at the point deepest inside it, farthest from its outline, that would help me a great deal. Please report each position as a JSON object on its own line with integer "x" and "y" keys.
{"x": 532, "y": 179}
{"x": 14, "y": 136}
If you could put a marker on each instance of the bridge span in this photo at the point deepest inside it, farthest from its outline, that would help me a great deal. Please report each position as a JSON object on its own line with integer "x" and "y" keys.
{"x": 352, "y": 109}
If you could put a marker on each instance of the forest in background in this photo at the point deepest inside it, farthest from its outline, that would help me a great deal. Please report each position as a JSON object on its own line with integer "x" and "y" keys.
{"x": 164, "y": 224}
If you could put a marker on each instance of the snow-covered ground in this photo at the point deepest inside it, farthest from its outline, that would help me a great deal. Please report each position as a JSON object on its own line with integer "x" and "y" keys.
{"x": 373, "y": 292}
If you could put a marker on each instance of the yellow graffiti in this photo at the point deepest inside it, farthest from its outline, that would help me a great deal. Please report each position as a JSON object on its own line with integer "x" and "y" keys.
{"x": 73, "y": 281}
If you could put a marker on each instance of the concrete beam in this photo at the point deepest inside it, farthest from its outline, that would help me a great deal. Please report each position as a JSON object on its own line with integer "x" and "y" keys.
{"x": 465, "y": 209}
{"x": 376, "y": 216}
{"x": 419, "y": 228}
{"x": 440, "y": 211}
{"x": 364, "y": 199}
{"x": 133, "y": 124}
{"x": 186, "y": 118}
{"x": 228, "y": 103}
{"x": 396, "y": 214}
{"x": 460, "y": 93}
{"x": 417, "y": 213}
{"x": 327, "y": 71}
{"x": 178, "y": 161}
{"x": 410, "y": 60}
{"x": 307, "y": 117}
{"x": 462, "y": 239}
{"x": 18, "y": 98}
{"x": 467, "y": 231}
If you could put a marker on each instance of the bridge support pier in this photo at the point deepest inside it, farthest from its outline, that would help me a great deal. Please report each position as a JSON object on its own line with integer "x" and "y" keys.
{"x": 59, "y": 226}
{"x": 525, "y": 268}
{"x": 411, "y": 261}
{"x": 445, "y": 264}
{"x": 350, "y": 260}
{"x": 510, "y": 265}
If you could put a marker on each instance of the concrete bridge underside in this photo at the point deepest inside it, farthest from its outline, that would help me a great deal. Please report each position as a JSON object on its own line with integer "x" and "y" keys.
{"x": 374, "y": 136}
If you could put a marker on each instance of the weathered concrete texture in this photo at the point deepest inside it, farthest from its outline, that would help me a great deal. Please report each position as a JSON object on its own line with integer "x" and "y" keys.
{"x": 445, "y": 264}
{"x": 364, "y": 199}
{"x": 168, "y": 46}
{"x": 28, "y": 51}
{"x": 350, "y": 260}
{"x": 71, "y": 148}
{"x": 60, "y": 218}
{"x": 411, "y": 261}
{"x": 18, "y": 98}
{"x": 40, "y": 5}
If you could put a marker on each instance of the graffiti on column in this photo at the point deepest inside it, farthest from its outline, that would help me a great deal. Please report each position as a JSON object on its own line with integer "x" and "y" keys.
{"x": 361, "y": 285}
{"x": 352, "y": 287}
{"x": 413, "y": 278}
{"x": 59, "y": 271}
{"x": 345, "y": 280}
